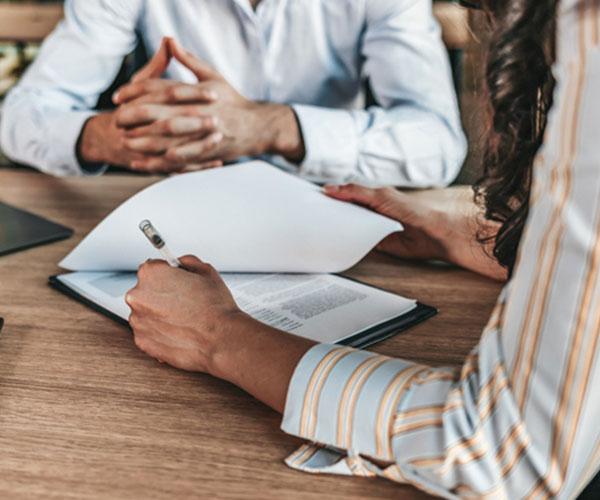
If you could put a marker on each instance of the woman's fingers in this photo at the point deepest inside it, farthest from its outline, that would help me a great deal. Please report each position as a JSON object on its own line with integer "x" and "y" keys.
{"x": 195, "y": 265}
{"x": 361, "y": 195}
{"x": 386, "y": 201}
{"x": 352, "y": 193}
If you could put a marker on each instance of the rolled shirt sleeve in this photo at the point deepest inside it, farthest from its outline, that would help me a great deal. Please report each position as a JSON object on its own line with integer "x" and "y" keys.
{"x": 349, "y": 384}
{"x": 43, "y": 116}
{"x": 57, "y": 154}
{"x": 331, "y": 140}
{"x": 439, "y": 429}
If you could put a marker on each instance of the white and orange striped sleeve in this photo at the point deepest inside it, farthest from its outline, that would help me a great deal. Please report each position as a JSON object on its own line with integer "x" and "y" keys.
{"x": 520, "y": 418}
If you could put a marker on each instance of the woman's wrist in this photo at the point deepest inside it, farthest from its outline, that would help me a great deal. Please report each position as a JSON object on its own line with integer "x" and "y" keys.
{"x": 221, "y": 356}
{"x": 440, "y": 230}
{"x": 257, "y": 358}
{"x": 449, "y": 218}
{"x": 469, "y": 241}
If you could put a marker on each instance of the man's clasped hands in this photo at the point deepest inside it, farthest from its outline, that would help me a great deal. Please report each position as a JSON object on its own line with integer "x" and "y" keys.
{"x": 162, "y": 126}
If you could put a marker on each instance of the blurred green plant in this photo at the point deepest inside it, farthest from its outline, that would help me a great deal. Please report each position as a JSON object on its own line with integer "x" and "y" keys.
{"x": 14, "y": 60}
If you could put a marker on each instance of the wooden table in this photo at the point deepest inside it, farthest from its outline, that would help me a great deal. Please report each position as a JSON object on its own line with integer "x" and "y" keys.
{"x": 84, "y": 414}
{"x": 28, "y": 21}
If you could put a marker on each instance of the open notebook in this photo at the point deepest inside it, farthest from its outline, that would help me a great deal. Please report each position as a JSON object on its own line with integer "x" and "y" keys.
{"x": 276, "y": 239}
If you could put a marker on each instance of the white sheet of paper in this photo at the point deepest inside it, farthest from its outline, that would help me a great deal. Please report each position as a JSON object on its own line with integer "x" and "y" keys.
{"x": 247, "y": 218}
{"x": 321, "y": 307}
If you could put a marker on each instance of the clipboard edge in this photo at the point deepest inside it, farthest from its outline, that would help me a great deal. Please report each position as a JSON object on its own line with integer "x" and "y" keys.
{"x": 361, "y": 340}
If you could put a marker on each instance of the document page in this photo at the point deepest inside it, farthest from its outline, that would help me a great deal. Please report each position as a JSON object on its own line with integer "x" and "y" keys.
{"x": 321, "y": 307}
{"x": 250, "y": 217}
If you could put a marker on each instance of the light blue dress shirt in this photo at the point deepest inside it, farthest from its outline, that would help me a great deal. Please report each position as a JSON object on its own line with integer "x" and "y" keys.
{"x": 312, "y": 54}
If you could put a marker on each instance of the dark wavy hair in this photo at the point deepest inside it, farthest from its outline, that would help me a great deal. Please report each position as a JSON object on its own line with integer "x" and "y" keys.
{"x": 519, "y": 90}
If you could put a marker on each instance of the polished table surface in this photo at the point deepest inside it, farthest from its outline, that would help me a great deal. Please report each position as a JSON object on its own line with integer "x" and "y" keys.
{"x": 84, "y": 414}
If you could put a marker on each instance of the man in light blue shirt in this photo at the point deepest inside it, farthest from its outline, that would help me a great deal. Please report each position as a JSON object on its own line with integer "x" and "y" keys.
{"x": 283, "y": 79}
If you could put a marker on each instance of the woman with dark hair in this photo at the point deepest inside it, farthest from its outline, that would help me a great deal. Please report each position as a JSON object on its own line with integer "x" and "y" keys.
{"x": 520, "y": 418}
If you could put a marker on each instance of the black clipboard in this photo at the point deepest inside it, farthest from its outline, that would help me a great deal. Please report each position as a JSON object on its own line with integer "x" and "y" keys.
{"x": 361, "y": 340}
{"x": 20, "y": 230}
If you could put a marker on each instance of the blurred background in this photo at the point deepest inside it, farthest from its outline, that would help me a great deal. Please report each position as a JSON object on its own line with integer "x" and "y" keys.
{"x": 25, "y": 23}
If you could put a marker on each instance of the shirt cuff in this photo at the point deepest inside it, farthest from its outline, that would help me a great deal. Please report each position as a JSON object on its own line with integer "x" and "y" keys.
{"x": 345, "y": 401}
{"x": 331, "y": 143}
{"x": 64, "y": 136}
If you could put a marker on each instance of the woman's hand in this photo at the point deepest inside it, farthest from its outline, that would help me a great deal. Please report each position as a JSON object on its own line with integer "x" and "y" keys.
{"x": 439, "y": 224}
{"x": 189, "y": 319}
{"x": 424, "y": 226}
{"x": 181, "y": 316}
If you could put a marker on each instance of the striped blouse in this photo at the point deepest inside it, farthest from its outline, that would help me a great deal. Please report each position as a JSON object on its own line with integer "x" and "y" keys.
{"x": 521, "y": 418}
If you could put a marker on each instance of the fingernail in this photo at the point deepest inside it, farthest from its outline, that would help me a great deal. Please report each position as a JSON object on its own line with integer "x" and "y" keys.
{"x": 331, "y": 189}
{"x": 217, "y": 138}
{"x": 115, "y": 97}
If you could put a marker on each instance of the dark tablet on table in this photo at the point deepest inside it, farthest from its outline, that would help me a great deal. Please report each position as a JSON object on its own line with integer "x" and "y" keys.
{"x": 20, "y": 230}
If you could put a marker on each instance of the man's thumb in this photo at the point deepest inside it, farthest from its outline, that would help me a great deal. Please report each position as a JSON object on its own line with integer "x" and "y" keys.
{"x": 201, "y": 70}
{"x": 158, "y": 64}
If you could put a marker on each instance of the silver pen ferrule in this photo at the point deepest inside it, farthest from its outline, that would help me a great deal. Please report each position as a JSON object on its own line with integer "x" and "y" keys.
{"x": 158, "y": 242}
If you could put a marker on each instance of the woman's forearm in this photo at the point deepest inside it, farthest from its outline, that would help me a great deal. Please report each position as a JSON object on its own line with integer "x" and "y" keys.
{"x": 259, "y": 359}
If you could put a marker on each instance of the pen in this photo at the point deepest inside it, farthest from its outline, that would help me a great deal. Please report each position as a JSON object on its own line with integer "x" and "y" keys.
{"x": 157, "y": 242}
{"x": 1, "y": 323}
